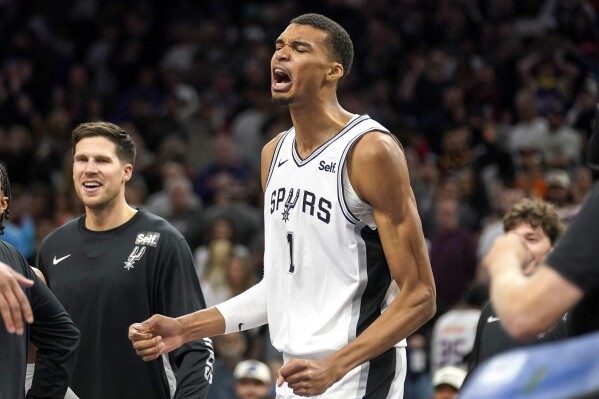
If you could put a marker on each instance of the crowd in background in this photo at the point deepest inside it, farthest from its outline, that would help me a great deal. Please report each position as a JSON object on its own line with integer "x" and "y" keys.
{"x": 493, "y": 101}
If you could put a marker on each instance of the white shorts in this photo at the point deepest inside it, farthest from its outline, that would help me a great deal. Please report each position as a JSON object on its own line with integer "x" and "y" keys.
{"x": 382, "y": 378}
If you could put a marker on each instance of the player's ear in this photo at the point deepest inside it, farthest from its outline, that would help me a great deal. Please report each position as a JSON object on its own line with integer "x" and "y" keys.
{"x": 127, "y": 172}
{"x": 335, "y": 72}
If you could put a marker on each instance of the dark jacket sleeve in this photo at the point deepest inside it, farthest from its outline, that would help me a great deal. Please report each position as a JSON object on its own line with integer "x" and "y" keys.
{"x": 56, "y": 339}
{"x": 475, "y": 354}
{"x": 178, "y": 292}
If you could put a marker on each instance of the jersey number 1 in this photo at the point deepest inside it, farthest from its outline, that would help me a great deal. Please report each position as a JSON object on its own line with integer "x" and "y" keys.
{"x": 290, "y": 244}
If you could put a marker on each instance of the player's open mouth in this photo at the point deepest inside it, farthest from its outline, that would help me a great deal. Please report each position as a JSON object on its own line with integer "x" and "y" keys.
{"x": 280, "y": 80}
{"x": 91, "y": 186}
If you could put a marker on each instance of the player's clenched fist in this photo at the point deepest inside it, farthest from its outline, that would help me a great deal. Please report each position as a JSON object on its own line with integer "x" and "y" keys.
{"x": 155, "y": 336}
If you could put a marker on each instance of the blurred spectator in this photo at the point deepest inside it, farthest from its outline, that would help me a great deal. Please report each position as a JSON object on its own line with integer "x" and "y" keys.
{"x": 582, "y": 183}
{"x": 16, "y": 152}
{"x": 136, "y": 192}
{"x": 424, "y": 177}
{"x": 531, "y": 173}
{"x": 230, "y": 350}
{"x": 562, "y": 148}
{"x": 239, "y": 276}
{"x": 559, "y": 194}
{"x": 452, "y": 254}
{"x": 246, "y": 128}
{"x": 531, "y": 130}
{"x": 226, "y": 169}
{"x": 212, "y": 258}
{"x": 418, "y": 379}
{"x": 232, "y": 202}
{"x": 456, "y": 150}
{"x": 447, "y": 382}
{"x": 19, "y": 228}
{"x": 183, "y": 208}
{"x": 492, "y": 162}
{"x": 454, "y": 331}
{"x": 502, "y": 199}
{"x": 159, "y": 202}
{"x": 252, "y": 380}
{"x": 450, "y": 187}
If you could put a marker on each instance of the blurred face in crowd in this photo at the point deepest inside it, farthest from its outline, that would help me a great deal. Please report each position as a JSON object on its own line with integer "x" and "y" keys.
{"x": 447, "y": 215}
{"x": 445, "y": 391}
{"x": 537, "y": 242}
{"x": 98, "y": 174}
{"x": 299, "y": 64}
{"x": 249, "y": 388}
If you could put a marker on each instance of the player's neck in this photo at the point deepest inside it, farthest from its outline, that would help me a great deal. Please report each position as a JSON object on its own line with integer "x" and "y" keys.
{"x": 316, "y": 123}
{"x": 108, "y": 217}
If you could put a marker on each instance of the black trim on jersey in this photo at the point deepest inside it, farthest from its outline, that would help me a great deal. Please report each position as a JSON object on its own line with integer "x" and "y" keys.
{"x": 382, "y": 368}
{"x": 275, "y": 155}
{"x": 379, "y": 279}
{"x": 352, "y": 123}
{"x": 381, "y": 374}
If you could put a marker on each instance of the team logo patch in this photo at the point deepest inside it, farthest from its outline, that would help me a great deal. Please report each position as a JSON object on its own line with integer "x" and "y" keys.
{"x": 147, "y": 238}
{"x": 290, "y": 204}
{"x": 134, "y": 256}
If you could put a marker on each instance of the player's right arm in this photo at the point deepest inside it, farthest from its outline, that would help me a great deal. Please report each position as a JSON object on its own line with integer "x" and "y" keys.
{"x": 160, "y": 334}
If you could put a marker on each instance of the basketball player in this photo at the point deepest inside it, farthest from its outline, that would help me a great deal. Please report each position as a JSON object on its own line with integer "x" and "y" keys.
{"x": 454, "y": 332}
{"x": 347, "y": 276}
{"x": 117, "y": 264}
{"x": 538, "y": 224}
{"x": 52, "y": 331}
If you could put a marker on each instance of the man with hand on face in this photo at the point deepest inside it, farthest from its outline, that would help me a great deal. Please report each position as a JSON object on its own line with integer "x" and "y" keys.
{"x": 346, "y": 270}
{"x": 117, "y": 264}
{"x": 538, "y": 224}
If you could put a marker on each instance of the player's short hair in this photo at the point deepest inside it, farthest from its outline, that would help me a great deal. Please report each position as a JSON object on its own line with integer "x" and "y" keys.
{"x": 338, "y": 41}
{"x": 537, "y": 213}
{"x": 125, "y": 146}
{"x": 5, "y": 187}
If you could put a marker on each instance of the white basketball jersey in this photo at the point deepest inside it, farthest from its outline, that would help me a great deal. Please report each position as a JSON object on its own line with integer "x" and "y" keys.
{"x": 453, "y": 338}
{"x": 326, "y": 275}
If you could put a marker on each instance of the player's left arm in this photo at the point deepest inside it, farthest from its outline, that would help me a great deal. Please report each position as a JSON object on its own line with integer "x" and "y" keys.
{"x": 178, "y": 293}
{"x": 378, "y": 172}
{"x": 56, "y": 339}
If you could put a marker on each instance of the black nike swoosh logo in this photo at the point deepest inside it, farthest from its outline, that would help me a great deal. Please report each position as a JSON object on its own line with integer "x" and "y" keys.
{"x": 282, "y": 162}
{"x": 240, "y": 324}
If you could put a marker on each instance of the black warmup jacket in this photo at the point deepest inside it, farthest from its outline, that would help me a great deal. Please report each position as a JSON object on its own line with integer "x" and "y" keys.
{"x": 492, "y": 339}
{"x": 108, "y": 280}
{"x": 52, "y": 331}
{"x": 575, "y": 258}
